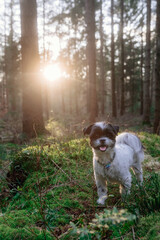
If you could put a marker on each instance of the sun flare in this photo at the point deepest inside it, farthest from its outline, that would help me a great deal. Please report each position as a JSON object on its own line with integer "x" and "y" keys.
{"x": 52, "y": 72}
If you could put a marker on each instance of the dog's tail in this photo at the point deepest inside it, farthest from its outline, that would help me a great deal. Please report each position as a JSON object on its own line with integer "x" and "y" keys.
{"x": 134, "y": 142}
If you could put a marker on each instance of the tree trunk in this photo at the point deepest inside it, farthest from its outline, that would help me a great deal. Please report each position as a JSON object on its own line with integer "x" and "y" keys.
{"x": 114, "y": 109}
{"x": 157, "y": 74}
{"x": 122, "y": 109}
{"x": 11, "y": 78}
{"x": 75, "y": 68}
{"x": 146, "y": 107}
{"x": 33, "y": 123}
{"x": 10, "y": 67}
{"x": 46, "y": 100}
{"x": 5, "y": 92}
{"x": 102, "y": 63}
{"x": 71, "y": 76}
{"x": 91, "y": 56}
{"x": 141, "y": 91}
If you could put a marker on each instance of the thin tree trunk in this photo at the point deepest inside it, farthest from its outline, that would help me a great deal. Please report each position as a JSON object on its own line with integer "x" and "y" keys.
{"x": 141, "y": 92}
{"x": 102, "y": 63}
{"x": 62, "y": 99}
{"x": 156, "y": 128}
{"x": 71, "y": 76}
{"x": 152, "y": 78}
{"x": 122, "y": 57}
{"x": 91, "y": 56}
{"x": 5, "y": 93}
{"x": 75, "y": 70}
{"x": 46, "y": 102}
{"x": 146, "y": 107}
{"x": 11, "y": 76}
{"x": 113, "y": 80}
{"x": 132, "y": 77}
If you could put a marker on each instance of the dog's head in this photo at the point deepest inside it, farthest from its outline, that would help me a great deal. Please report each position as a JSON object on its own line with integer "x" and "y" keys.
{"x": 102, "y": 135}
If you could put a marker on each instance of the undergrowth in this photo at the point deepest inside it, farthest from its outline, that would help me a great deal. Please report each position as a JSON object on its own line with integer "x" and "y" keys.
{"x": 51, "y": 184}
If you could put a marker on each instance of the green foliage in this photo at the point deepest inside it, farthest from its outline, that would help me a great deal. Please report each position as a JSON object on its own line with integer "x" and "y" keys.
{"x": 152, "y": 144}
{"x": 101, "y": 223}
{"x": 7, "y": 149}
{"x": 59, "y": 188}
{"x": 148, "y": 227}
{"x": 52, "y": 188}
{"x": 146, "y": 197}
{"x": 19, "y": 225}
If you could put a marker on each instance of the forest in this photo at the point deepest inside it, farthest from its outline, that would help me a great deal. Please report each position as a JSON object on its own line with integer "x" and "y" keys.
{"x": 63, "y": 66}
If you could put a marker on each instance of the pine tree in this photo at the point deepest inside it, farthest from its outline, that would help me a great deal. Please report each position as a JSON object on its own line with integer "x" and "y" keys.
{"x": 114, "y": 110}
{"x": 122, "y": 109}
{"x": 91, "y": 56}
{"x": 157, "y": 71}
{"x": 146, "y": 103}
{"x": 102, "y": 62}
{"x": 33, "y": 123}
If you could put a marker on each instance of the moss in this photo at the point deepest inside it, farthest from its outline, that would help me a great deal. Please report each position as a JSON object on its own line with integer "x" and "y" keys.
{"x": 58, "y": 187}
{"x": 19, "y": 225}
{"x": 148, "y": 227}
{"x": 151, "y": 143}
{"x": 27, "y": 233}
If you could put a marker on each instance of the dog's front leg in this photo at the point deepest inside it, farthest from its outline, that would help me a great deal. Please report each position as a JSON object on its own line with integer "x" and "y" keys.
{"x": 125, "y": 185}
{"x": 101, "y": 188}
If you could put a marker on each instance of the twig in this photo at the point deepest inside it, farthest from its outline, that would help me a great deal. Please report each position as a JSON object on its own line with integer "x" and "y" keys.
{"x": 71, "y": 179}
{"x": 64, "y": 234}
{"x": 133, "y": 233}
{"x": 61, "y": 170}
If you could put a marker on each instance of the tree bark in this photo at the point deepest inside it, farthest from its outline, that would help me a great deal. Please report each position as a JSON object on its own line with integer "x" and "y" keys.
{"x": 114, "y": 109}
{"x": 33, "y": 123}
{"x": 91, "y": 57}
{"x": 122, "y": 109}
{"x": 146, "y": 107}
{"x": 141, "y": 91}
{"x": 102, "y": 62}
{"x": 156, "y": 128}
{"x": 45, "y": 85}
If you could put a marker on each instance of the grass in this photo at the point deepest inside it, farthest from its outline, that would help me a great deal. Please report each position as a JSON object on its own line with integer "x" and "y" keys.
{"x": 51, "y": 184}
{"x": 152, "y": 144}
{"x": 53, "y": 190}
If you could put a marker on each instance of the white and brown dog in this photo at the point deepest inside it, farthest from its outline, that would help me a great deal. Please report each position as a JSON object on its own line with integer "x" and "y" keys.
{"x": 113, "y": 156}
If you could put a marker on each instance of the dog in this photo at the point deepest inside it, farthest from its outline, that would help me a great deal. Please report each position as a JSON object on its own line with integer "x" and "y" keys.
{"x": 113, "y": 156}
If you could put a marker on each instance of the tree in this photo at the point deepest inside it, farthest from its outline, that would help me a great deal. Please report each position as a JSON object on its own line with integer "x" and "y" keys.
{"x": 102, "y": 62}
{"x": 11, "y": 73}
{"x": 142, "y": 63}
{"x": 91, "y": 57}
{"x": 114, "y": 110}
{"x": 157, "y": 72}
{"x": 122, "y": 56}
{"x": 10, "y": 62}
{"x": 146, "y": 103}
{"x": 33, "y": 123}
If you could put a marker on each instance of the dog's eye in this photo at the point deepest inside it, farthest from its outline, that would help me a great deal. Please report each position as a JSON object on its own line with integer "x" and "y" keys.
{"x": 109, "y": 135}
{"x": 95, "y": 136}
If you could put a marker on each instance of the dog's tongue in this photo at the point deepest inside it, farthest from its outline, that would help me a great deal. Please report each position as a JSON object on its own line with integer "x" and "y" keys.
{"x": 103, "y": 148}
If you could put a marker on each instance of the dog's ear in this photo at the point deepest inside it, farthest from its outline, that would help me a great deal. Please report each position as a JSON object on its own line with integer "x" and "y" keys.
{"x": 87, "y": 130}
{"x": 114, "y": 128}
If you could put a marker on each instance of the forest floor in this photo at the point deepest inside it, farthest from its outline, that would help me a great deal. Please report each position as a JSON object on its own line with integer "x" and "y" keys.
{"x": 47, "y": 188}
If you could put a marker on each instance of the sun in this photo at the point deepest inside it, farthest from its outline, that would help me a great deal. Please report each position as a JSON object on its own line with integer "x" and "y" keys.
{"x": 52, "y": 72}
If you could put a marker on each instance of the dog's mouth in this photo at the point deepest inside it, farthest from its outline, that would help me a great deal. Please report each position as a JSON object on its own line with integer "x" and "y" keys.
{"x": 103, "y": 148}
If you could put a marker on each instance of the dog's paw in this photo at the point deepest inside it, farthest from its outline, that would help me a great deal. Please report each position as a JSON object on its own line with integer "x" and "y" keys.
{"x": 101, "y": 200}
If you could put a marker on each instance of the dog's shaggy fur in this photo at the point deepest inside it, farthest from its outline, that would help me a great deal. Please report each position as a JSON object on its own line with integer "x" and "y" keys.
{"x": 113, "y": 156}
